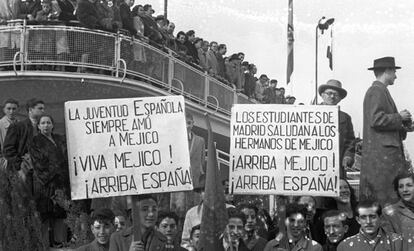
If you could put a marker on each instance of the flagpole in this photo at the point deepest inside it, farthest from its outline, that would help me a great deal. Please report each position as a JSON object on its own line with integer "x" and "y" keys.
{"x": 332, "y": 48}
{"x": 214, "y": 218}
{"x": 165, "y": 8}
{"x": 316, "y": 60}
{"x": 290, "y": 39}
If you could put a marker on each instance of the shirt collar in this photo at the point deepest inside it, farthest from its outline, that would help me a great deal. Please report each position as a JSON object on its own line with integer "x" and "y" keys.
{"x": 302, "y": 242}
{"x": 369, "y": 240}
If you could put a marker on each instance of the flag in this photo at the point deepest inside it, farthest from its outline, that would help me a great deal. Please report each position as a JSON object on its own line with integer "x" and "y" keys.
{"x": 290, "y": 39}
{"x": 214, "y": 218}
{"x": 329, "y": 52}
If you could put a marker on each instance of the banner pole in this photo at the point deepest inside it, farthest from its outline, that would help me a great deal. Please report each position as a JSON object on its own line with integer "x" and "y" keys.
{"x": 136, "y": 223}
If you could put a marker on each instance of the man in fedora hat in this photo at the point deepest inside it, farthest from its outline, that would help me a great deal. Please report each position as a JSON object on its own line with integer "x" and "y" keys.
{"x": 384, "y": 130}
{"x": 332, "y": 93}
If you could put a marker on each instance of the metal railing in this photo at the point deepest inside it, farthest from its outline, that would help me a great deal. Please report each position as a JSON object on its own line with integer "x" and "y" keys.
{"x": 31, "y": 47}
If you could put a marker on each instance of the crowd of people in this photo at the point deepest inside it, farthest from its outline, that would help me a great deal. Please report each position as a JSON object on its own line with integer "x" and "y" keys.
{"x": 34, "y": 172}
{"x": 35, "y": 191}
{"x": 139, "y": 22}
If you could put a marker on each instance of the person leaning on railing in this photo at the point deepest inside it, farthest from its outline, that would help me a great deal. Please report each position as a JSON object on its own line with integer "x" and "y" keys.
{"x": 67, "y": 8}
{"x": 150, "y": 26}
{"x": 136, "y": 14}
{"x": 47, "y": 13}
{"x": 109, "y": 17}
{"x": 88, "y": 15}
{"x": 28, "y": 9}
{"x": 8, "y": 10}
{"x": 126, "y": 16}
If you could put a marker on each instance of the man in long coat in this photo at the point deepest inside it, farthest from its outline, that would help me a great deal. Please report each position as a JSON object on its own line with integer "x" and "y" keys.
{"x": 384, "y": 130}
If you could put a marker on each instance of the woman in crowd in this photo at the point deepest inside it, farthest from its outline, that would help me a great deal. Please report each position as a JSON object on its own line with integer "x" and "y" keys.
{"x": 50, "y": 178}
{"x": 400, "y": 216}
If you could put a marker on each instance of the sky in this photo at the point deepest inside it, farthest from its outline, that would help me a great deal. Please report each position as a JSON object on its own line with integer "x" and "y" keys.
{"x": 362, "y": 31}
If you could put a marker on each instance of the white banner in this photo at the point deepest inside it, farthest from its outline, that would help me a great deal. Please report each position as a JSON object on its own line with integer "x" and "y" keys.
{"x": 284, "y": 149}
{"x": 127, "y": 146}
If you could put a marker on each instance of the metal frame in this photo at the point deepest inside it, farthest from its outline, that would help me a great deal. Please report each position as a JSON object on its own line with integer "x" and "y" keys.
{"x": 119, "y": 65}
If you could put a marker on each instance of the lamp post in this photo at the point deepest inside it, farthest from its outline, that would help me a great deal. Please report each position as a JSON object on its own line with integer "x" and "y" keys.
{"x": 323, "y": 24}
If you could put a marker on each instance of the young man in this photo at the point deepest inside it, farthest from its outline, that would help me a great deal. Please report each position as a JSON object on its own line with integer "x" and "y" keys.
{"x": 151, "y": 239}
{"x": 194, "y": 238}
{"x": 233, "y": 72}
{"x": 290, "y": 100}
{"x": 18, "y": 137}
{"x": 102, "y": 227}
{"x": 260, "y": 87}
{"x": 212, "y": 63}
{"x": 250, "y": 81}
{"x": 120, "y": 223}
{"x": 10, "y": 109}
{"x": 335, "y": 227}
{"x": 193, "y": 217}
{"x": 314, "y": 224}
{"x": 192, "y": 50}
{"x": 254, "y": 242}
{"x": 296, "y": 232}
{"x": 234, "y": 232}
{"x": 221, "y": 66}
{"x": 167, "y": 225}
{"x": 384, "y": 130}
{"x": 196, "y": 145}
{"x": 270, "y": 93}
{"x": 371, "y": 236}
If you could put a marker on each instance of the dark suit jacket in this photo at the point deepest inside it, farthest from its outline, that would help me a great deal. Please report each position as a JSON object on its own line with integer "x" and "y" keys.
{"x": 192, "y": 51}
{"x": 346, "y": 138}
{"x": 17, "y": 142}
{"x": 126, "y": 17}
{"x": 88, "y": 15}
{"x": 93, "y": 246}
{"x": 29, "y": 8}
{"x": 153, "y": 240}
{"x": 382, "y": 150}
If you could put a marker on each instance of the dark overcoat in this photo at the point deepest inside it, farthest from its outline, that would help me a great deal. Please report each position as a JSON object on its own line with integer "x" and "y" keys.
{"x": 50, "y": 173}
{"x": 382, "y": 149}
{"x": 346, "y": 139}
{"x": 17, "y": 142}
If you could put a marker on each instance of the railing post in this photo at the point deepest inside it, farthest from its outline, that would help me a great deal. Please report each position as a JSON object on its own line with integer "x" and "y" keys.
{"x": 23, "y": 46}
{"x": 170, "y": 69}
{"x": 117, "y": 53}
{"x": 206, "y": 88}
{"x": 236, "y": 97}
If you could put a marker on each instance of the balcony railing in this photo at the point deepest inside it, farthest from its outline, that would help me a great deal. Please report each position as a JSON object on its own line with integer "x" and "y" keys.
{"x": 28, "y": 47}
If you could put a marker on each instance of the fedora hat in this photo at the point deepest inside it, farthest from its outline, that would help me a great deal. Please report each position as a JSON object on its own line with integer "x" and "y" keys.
{"x": 333, "y": 84}
{"x": 385, "y": 62}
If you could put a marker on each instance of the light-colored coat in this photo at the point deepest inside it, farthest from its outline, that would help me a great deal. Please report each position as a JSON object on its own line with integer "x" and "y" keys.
{"x": 9, "y": 9}
{"x": 212, "y": 63}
